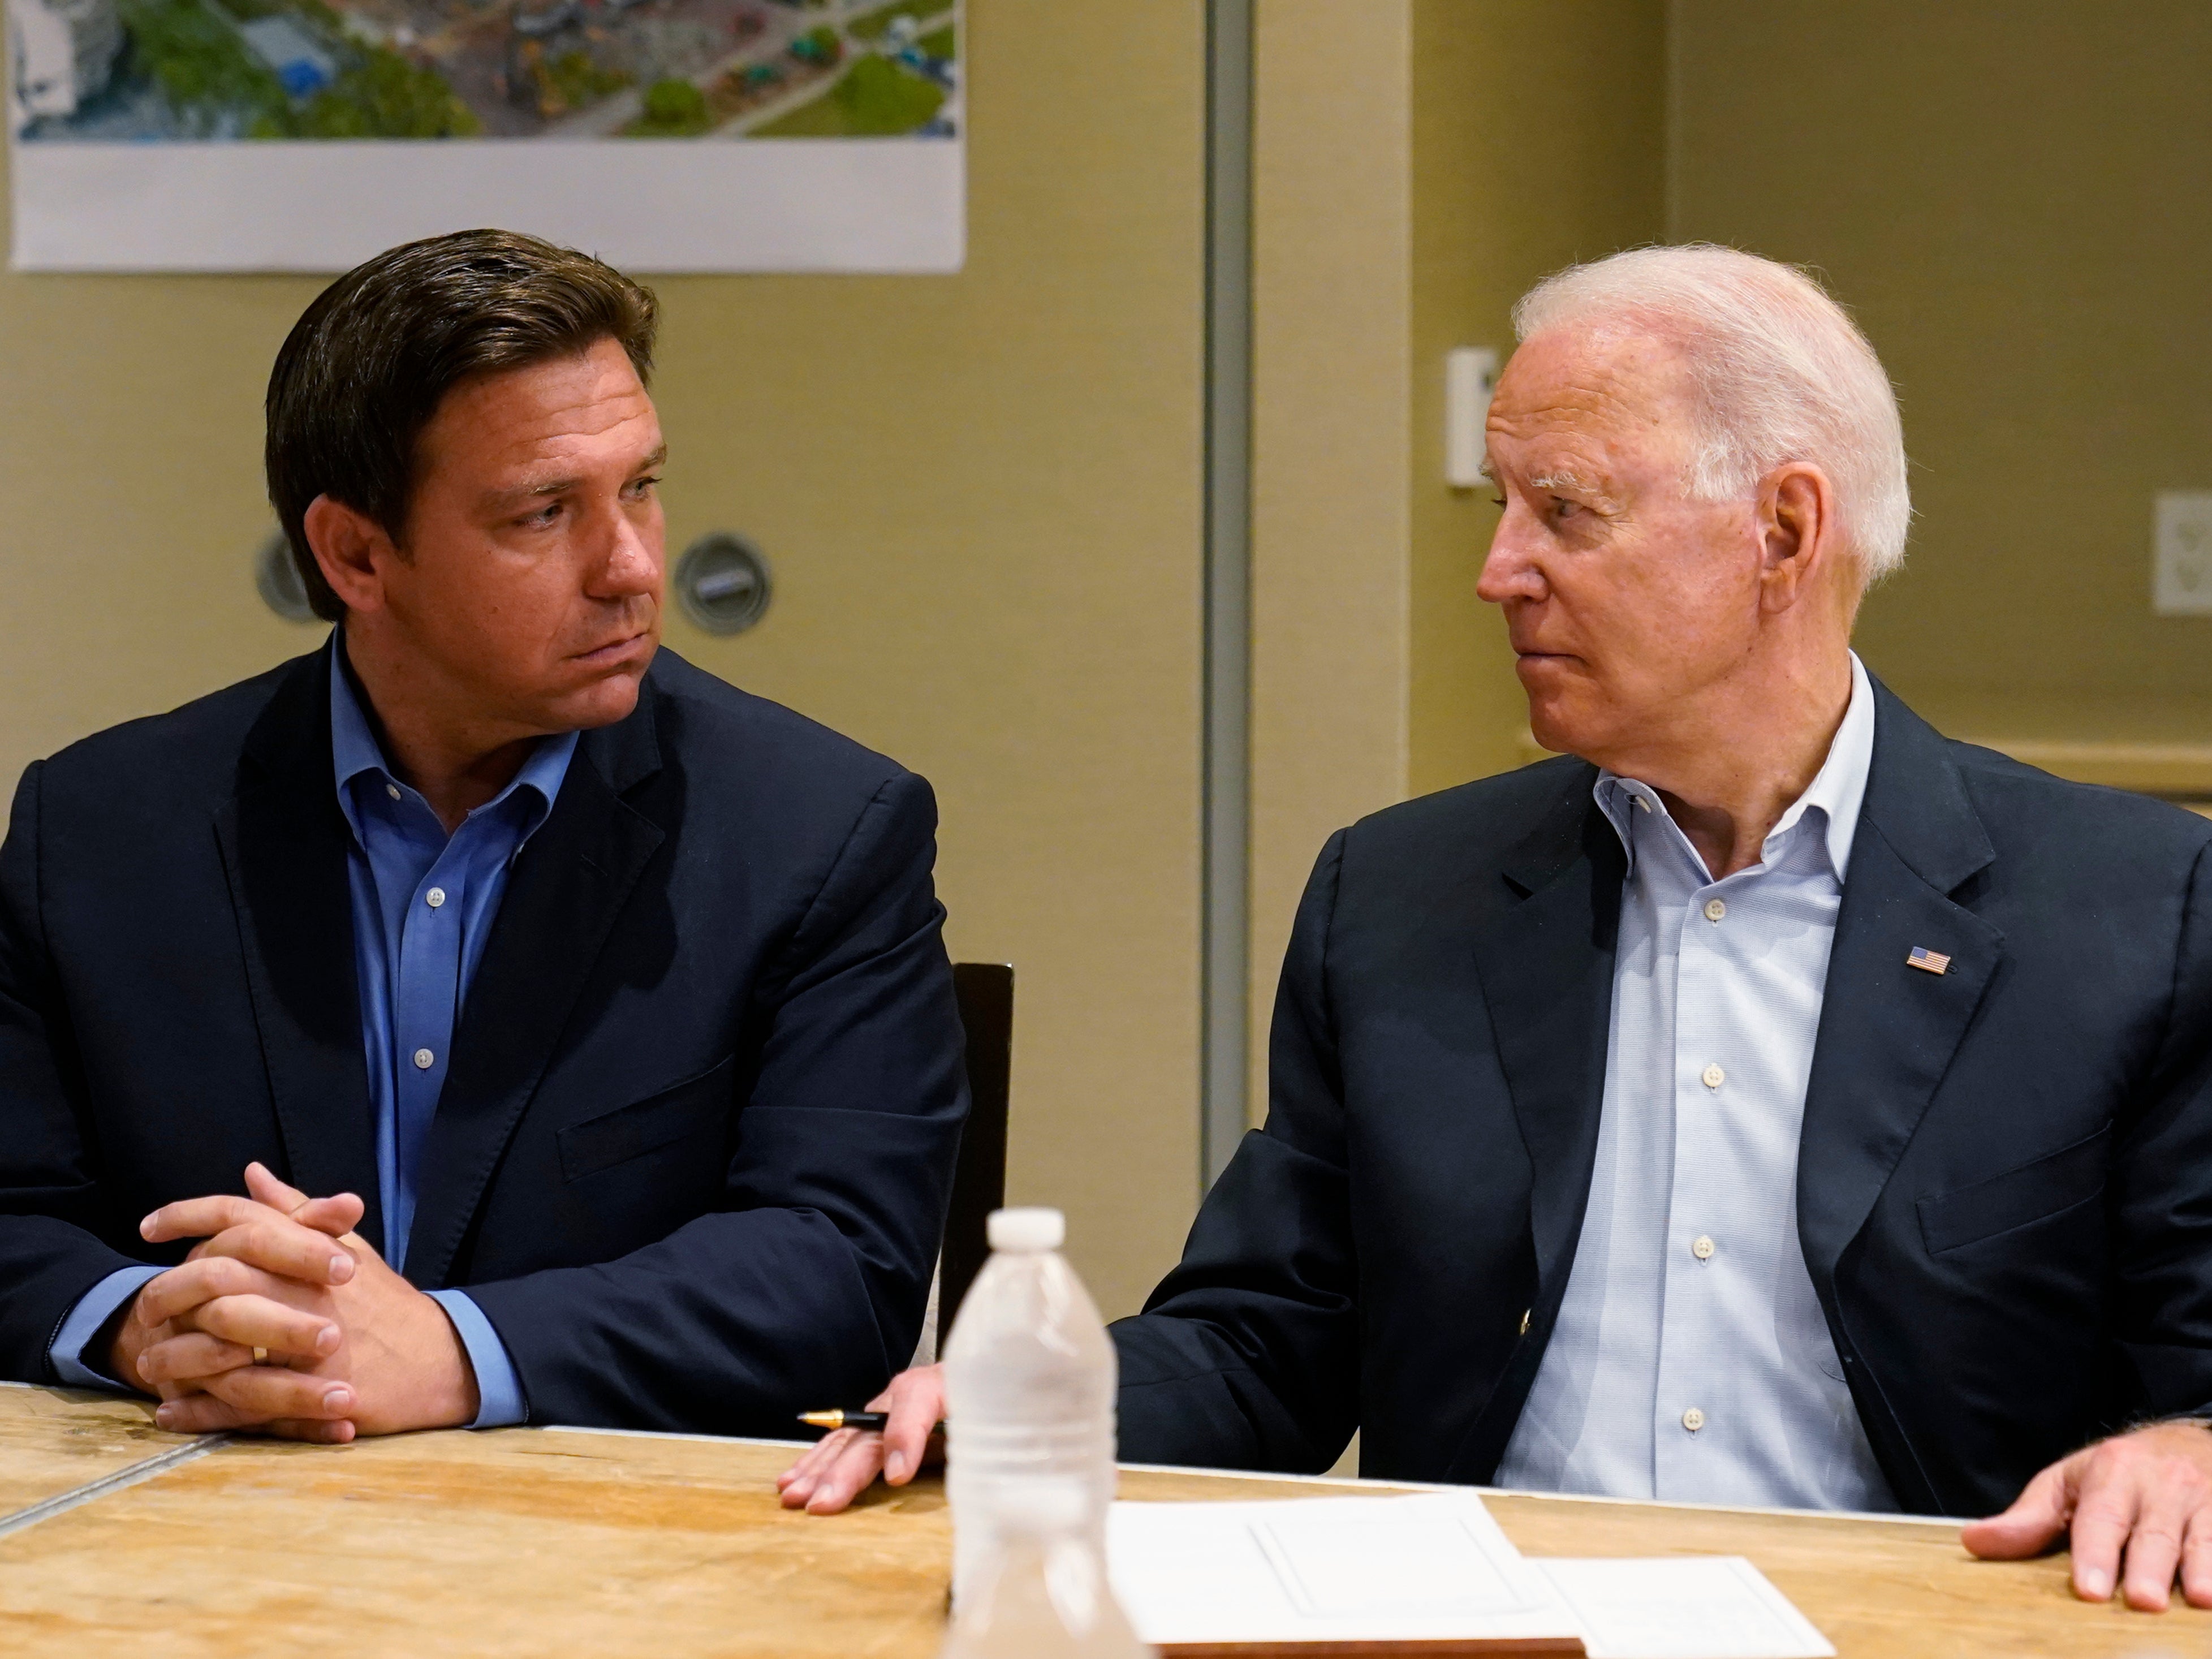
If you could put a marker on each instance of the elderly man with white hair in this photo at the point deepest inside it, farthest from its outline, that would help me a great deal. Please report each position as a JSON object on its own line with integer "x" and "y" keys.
{"x": 1769, "y": 1101}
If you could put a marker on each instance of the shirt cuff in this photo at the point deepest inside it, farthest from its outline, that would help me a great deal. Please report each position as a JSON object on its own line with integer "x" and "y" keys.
{"x": 499, "y": 1390}
{"x": 93, "y": 1310}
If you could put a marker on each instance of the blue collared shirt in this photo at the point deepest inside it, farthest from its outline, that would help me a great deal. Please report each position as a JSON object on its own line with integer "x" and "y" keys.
{"x": 423, "y": 904}
{"x": 1691, "y": 1361}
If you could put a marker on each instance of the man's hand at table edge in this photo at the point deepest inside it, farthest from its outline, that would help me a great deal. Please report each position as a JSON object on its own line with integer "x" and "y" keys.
{"x": 2147, "y": 1493}
{"x": 846, "y": 1460}
{"x": 354, "y": 1347}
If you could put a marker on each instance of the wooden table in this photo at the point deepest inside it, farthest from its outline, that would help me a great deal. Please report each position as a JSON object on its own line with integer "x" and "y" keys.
{"x": 537, "y": 1542}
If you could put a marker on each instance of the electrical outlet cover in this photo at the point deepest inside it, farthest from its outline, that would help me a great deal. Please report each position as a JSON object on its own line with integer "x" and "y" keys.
{"x": 2181, "y": 554}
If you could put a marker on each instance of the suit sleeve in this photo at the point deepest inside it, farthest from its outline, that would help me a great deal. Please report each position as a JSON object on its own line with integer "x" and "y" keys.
{"x": 1247, "y": 1355}
{"x": 49, "y": 1196}
{"x": 808, "y": 1287}
{"x": 2160, "y": 1191}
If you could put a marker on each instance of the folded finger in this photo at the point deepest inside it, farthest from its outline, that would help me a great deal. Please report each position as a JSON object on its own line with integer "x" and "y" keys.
{"x": 263, "y": 1187}
{"x": 258, "y": 1322}
{"x": 266, "y": 1392}
{"x": 200, "y": 1413}
{"x": 181, "y": 1293}
{"x": 335, "y": 1216}
{"x": 276, "y": 1245}
{"x": 206, "y": 1414}
{"x": 190, "y": 1356}
{"x": 853, "y": 1472}
{"x": 320, "y": 1432}
{"x": 199, "y": 1218}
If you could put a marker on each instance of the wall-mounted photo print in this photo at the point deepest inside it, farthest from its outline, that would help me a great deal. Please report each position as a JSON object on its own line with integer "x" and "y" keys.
{"x": 667, "y": 135}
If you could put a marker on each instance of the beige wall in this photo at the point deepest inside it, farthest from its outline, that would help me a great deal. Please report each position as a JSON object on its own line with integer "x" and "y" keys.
{"x": 980, "y": 496}
{"x": 2012, "y": 198}
{"x": 1412, "y": 177}
{"x": 1537, "y": 129}
{"x": 1331, "y": 445}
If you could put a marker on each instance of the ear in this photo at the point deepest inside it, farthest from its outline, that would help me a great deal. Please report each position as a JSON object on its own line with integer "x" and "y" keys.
{"x": 353, "y": 550}
{"x": 1798, "y": 531}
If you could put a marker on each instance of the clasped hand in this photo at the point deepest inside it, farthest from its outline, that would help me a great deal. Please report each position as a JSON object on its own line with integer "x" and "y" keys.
{"x": 284, "y": 1320}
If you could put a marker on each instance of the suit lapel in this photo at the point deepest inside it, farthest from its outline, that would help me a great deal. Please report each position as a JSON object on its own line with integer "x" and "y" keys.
{"x": 1546, "y": 974}
{"x": 1887, "y": 1031}
{"x": 567, "y": 888}
{"x": 283, "y": 844}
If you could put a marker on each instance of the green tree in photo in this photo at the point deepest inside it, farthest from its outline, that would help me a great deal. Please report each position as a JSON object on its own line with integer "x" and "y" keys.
{"x": 580, "y": 80}
{"x": 875, "y": 99}
{"x": 673, "y": 109}
{"x": 201, "y": 68}
{"x": 818, "y": 47}
{"x": 383, "y": 95}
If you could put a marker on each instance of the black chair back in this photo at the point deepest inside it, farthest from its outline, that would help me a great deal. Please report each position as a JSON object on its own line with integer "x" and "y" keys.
{"x": 986, "y": 992}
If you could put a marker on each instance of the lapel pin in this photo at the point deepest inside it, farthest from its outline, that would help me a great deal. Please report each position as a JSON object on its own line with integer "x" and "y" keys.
{"x": 1928, "y": 961}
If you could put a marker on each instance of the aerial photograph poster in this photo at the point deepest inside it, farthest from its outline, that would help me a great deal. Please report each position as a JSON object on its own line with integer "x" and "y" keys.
{"x": 665, "y": 135}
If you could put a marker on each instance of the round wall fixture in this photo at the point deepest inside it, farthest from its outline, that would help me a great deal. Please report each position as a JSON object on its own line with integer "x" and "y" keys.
{"x": 276, "y": 579}
{"x": 722, "y": 582}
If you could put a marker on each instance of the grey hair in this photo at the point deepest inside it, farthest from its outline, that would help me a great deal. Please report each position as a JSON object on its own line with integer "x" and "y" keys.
{"x": 1781, "y": 372}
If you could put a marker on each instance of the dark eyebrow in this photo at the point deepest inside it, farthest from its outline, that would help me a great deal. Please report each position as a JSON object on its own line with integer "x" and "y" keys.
{"x": 562, "y": 486}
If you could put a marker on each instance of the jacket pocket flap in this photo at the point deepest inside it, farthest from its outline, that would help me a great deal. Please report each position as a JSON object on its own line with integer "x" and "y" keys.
{"x": 2056, "y": 1181}
{"x": 631, "y": 1131}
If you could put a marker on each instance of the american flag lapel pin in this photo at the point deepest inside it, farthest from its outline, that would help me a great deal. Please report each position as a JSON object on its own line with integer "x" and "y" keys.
{"x": 1928, "y": 961}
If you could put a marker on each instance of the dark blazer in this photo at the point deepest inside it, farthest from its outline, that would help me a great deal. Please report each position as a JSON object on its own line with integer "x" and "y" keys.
{"x": 694, "y": 1147}
{"x": 2004, "y": 1185}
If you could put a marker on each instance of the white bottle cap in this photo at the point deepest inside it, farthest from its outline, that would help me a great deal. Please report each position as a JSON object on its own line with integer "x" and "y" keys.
{"x": 1026, "y": 1229}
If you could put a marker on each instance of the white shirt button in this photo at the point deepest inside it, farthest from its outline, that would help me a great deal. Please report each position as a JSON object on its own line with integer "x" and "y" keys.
{"x": 1693, "y": 1419}
{"x": 1715, "y": 910}
{"x": 424, "y": 1060}
{"x": 1712, "y": 1077}
{"x": 1702, "y": 1248}
{"x": 1643, "y": 802}
{"x": 434, "y": 897}
{"x": 392, "y": 790}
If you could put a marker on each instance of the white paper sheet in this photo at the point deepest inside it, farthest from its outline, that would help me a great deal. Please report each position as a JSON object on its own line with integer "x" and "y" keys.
{"x": 1427, "y": 1568}
{"x": 1350, "y": 1568}
{"x": 1683, "y": 1606}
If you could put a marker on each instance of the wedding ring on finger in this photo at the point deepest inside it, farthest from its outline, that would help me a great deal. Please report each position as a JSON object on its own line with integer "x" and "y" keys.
{"x": 261, "y": 1356}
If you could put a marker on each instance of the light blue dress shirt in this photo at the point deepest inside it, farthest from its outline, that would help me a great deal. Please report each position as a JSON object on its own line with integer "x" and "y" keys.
{"x": 423, "y": 904}
{"x": 1691, "y": 1361}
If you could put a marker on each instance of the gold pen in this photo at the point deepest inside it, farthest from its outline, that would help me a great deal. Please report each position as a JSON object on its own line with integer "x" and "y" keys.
{"x": 843, "y": 1419}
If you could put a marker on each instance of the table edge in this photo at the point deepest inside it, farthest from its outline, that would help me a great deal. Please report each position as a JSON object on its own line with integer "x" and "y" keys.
{"x": 1352, "y": 1483}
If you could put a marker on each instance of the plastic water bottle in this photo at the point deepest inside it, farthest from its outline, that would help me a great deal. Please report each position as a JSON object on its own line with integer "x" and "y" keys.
{"x": 1028, "y": 1386}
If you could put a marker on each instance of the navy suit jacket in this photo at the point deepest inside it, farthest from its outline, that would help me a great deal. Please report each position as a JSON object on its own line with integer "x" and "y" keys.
{"x": 2004, "y": 1184}
{"x": 693, "y": 1150}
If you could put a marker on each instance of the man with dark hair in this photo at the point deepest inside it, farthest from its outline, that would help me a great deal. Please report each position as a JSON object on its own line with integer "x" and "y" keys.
{"x": 579, "y": 1026}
